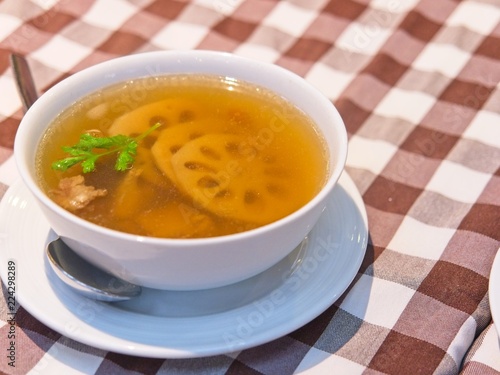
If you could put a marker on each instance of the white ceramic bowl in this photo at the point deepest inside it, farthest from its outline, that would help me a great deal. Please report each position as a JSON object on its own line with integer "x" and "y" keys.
{"x": 182, "y": 264}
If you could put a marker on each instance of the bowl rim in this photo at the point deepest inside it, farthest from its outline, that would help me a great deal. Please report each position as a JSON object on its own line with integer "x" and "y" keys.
{"x": 199, "y": 55}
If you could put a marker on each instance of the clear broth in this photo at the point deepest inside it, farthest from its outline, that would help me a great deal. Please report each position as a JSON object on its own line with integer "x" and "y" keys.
{"x": 229, "y": 156}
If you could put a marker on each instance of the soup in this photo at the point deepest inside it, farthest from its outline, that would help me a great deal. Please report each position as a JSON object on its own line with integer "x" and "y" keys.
{"x": 214, "y": 156}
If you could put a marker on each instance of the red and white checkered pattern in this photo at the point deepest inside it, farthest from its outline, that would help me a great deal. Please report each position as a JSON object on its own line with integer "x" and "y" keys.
{"x": 417, "y": 83}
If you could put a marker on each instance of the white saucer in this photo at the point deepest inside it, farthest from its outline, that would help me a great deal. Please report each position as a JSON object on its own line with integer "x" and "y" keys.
{"x": 165, "y": 324}
{"x": 494, "y": 291}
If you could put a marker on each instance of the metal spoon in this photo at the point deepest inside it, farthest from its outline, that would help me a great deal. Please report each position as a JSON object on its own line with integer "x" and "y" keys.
{"x": 80, "y": 275}
{"x": 85, "y": 278}
{"x": 24, "y": 80}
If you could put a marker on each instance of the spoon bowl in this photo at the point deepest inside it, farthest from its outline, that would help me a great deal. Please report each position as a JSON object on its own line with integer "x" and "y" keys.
{"x": 85, "y": 278}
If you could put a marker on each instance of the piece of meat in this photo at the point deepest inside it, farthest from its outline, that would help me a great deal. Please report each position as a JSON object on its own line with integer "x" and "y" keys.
{"x": 72, "y": 193}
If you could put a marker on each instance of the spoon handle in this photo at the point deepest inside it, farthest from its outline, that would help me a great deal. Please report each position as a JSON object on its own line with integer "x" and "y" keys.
{"x": 24, "y": 80}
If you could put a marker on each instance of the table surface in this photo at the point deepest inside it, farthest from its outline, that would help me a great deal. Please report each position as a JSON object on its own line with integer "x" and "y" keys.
{"x": 417, "y": 84}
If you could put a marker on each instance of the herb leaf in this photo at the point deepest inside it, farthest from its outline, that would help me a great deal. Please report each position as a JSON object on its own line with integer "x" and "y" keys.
{"x": 83, "y": 152}
{"x": 126, "y": 157}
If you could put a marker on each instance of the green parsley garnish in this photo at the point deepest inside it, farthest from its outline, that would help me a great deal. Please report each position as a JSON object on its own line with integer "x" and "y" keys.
{"x": 83, "y": 152}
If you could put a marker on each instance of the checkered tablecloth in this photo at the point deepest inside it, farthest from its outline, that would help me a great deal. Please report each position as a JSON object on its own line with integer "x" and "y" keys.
{"x": 417, "y": 84}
